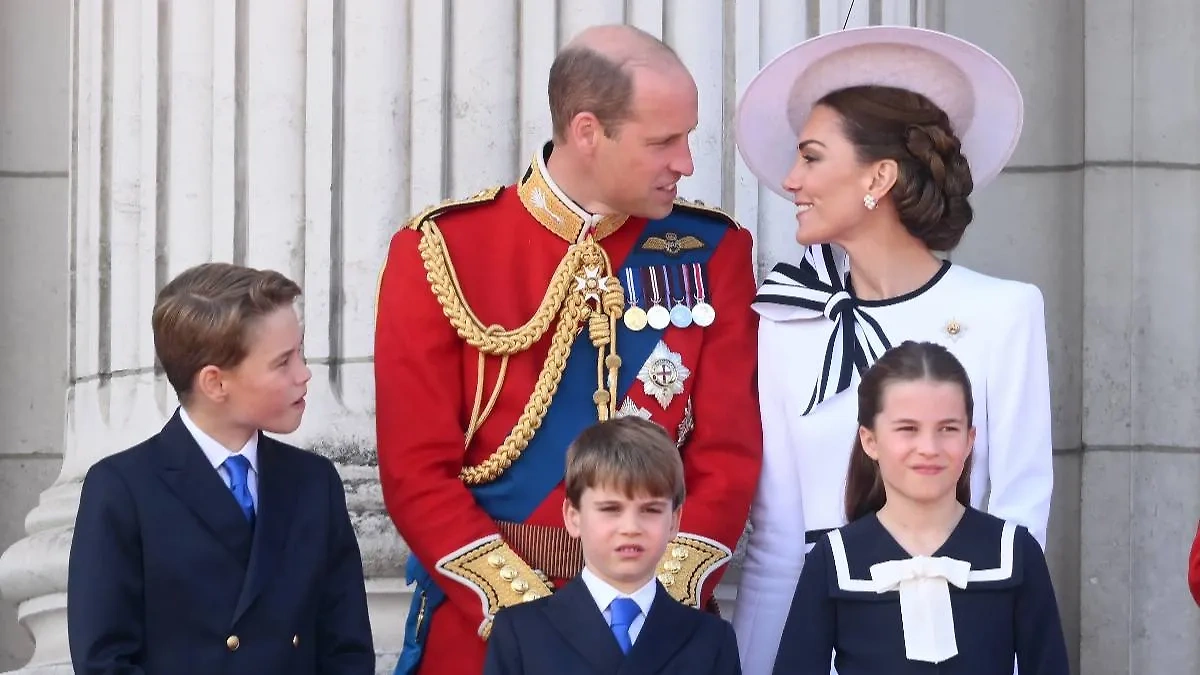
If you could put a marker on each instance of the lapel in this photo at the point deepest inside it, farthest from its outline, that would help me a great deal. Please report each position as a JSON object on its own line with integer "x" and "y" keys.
{"x": 666, "y": 630}
{"x": 573, "y": 613}
{"x": 187, "y": 472}
{"x": 277, "y": 487}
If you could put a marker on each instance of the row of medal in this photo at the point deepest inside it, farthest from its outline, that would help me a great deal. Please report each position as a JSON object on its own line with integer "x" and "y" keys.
{"x": 672, "y": 295}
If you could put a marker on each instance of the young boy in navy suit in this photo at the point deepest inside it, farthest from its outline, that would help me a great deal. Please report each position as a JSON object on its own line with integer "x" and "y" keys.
{"x": 211, "y": 548}
{"x": 624, "y": 492}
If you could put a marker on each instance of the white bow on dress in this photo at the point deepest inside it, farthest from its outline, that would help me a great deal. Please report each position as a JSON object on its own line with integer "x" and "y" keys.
{"x": 925, "y": 610}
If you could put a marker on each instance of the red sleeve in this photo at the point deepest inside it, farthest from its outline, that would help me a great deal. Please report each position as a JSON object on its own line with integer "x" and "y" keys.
{"x": 1194, "y": 567}
{"x": 418, "y": 385}
{"x": 723, "y": 456}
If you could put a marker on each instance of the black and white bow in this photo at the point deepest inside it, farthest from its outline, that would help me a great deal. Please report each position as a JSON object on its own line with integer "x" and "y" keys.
{"x": 815, "y": 289}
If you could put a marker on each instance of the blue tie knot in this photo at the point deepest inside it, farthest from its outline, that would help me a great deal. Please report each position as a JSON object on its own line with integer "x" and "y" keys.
{"x": 239, "y": 469}
{"x": 623, "y": 612}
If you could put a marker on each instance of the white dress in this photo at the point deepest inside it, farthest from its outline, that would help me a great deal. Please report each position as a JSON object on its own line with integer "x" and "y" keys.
{"x": 814, "y": 338}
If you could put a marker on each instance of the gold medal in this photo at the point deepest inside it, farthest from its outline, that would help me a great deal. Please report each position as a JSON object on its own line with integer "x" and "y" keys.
{"x": 635, "y": 318}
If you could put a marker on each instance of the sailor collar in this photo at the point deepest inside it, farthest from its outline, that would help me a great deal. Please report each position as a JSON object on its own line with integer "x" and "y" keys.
{"x": 557, "y": 212}
{"x": 820, "y": 287}
{"x": 923, "y": 583}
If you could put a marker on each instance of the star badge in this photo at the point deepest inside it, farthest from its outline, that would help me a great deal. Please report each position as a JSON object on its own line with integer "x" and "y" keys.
{"x": 663, "y": 374}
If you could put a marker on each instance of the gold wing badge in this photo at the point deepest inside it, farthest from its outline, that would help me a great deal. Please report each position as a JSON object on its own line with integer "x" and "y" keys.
{"x": 672, "y": 244}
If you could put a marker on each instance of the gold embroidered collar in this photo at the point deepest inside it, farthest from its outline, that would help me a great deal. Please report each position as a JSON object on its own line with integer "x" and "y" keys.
{"x": 557, "y": 212}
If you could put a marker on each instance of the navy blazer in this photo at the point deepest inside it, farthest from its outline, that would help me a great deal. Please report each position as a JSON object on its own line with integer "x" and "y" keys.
{"x": 566, "y": 633}
{"x": 167, "y": 576}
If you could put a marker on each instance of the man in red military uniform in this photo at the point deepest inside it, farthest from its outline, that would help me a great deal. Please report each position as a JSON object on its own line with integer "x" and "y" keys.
{"x": 509, "y": 322}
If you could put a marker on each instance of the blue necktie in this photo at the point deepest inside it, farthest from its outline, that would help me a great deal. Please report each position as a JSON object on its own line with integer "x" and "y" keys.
{"x": 623, "y": 612}
{"x": 238, "y": 468}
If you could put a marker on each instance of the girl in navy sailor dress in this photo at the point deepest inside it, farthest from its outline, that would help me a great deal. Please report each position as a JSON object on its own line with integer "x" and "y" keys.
{"x": 919, "y": 582}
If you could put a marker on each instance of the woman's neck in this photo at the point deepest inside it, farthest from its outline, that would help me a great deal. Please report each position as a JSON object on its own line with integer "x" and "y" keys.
{"x": 921, "y": 528}
{"x": 889, "y": 263}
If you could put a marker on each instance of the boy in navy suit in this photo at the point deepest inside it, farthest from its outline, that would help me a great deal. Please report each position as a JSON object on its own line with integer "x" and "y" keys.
{"x": 211, "y": 548}
{"x": 624, "y": 492}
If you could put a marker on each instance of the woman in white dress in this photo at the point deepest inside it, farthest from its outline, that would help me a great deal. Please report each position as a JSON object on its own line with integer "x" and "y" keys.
{"x": 879, "y": 135}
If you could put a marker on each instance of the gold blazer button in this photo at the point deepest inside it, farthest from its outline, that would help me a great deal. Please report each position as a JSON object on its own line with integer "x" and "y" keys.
{"x": 233, "y": 643}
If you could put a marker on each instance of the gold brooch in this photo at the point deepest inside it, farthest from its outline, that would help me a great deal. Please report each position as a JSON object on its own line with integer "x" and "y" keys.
{"x": 954, "y": 328}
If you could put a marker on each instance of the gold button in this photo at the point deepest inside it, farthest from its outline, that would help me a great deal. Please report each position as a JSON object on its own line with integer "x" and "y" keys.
{"x": 508, "y": 574}
{"x": 520, "y": 586}
{"x": 679, "y": 553}
{"x": 530, "y": 596}
{"x": 295, "y": 640}
{"x": 667, "y": 579}
{"x": 496, "y": 560}
{"x": 233, "y": 643}
{"x": 672, "y": 566}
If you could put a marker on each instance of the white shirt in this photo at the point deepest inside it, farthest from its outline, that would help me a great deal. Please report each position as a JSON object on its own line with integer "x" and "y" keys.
{"x": 217, "y": 454}
{"x": 998, "y": 335}
{"x": 604, "y": 594}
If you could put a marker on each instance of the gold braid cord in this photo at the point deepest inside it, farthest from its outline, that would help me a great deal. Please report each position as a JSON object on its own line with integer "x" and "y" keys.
{"x": 582, "y": 290}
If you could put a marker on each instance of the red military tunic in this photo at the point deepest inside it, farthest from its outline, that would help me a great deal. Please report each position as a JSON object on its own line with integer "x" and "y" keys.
{"x": 465, "y": 273}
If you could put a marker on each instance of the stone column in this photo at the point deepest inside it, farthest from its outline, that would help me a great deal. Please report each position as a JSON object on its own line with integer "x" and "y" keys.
{"x": 298, "y": 136}
{"x": 1141, "y": 464}
{"x": 269, "y": 133}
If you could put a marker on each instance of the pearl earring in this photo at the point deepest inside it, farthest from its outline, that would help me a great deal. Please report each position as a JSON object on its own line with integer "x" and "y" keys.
{"x": 869, "y": 202}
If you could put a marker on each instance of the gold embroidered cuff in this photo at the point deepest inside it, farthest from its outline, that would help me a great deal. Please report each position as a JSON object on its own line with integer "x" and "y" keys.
{"x": 687, "y": 563}
{"x": 497, "y": 575}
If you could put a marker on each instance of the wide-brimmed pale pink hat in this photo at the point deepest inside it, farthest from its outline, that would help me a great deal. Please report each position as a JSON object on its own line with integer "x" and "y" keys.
{"x": 975, "y": 90}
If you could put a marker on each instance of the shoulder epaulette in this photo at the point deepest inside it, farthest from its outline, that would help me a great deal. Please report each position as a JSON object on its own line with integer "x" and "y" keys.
{"x": 713, "y": 211}
{"x": 482, "y": 197}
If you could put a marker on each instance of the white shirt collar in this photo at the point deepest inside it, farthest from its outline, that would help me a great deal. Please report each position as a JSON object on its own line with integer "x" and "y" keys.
{"x": 214, "y": 451}
{"x": 604, "y": 594}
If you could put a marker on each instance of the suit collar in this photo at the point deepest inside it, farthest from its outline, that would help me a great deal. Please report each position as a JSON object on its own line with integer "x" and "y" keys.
{"x": 192, "y": 478}
{"x": 574, "y": 614}
{"x": 669, "y": 626}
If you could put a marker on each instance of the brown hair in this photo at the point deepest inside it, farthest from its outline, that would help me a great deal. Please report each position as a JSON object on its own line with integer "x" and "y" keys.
{"x": 630, "y": 454}
{"x": 202, "y": 317}
{"x": 910, "y": 362}
{"x": 933, "y": 179}
{"x": 583, "y": 79}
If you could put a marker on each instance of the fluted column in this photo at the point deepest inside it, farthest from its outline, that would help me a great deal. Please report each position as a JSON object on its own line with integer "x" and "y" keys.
{"x": 269, "y": 133}
{"x": 298, "y": 136}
